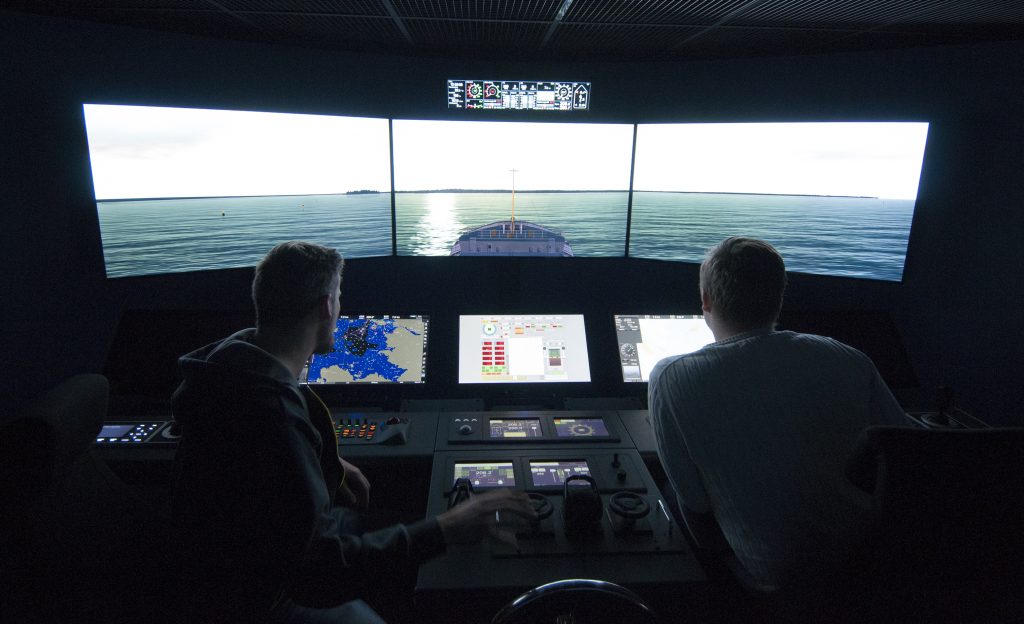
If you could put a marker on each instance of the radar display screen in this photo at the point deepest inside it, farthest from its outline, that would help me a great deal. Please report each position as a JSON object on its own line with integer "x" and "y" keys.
{"x": 373, "y": 349}
{"x": 486, "y": 474}
{"x": 544, "y": 473}
{"x": 515, "y": 428}
{"x": 523, "y": 348}
{"x": 645, "y": 339}
{"x": 518, "y": 95}
{"x": 580, "y": 428}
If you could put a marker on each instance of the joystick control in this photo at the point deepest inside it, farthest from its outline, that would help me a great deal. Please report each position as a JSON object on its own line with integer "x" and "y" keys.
{"x": 582, "y": 508}
{"x": 461, "y": 491}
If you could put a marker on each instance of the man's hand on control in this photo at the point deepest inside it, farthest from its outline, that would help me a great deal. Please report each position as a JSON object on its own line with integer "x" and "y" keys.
{"x": 469, "y": 521}
{"x": 355, "y": 491}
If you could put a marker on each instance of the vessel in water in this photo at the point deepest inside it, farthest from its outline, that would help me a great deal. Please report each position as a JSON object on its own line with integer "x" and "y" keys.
{"x": 511, "y": 237}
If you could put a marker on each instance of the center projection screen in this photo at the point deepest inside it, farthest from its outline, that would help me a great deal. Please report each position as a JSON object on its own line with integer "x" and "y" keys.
{"x": 570, "y": 180}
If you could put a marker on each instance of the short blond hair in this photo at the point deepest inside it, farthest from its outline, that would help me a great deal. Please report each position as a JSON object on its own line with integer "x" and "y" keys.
{"x": 291, "y": 279}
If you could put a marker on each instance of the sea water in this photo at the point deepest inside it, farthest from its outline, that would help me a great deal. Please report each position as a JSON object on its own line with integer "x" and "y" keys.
{"x": 851, "y": 236}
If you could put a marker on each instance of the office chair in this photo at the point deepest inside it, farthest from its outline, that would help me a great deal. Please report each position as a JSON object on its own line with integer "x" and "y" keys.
{"x": 947, "y": 538}
{"x": 79, "y": 544}
{"x": 579, "y": 601}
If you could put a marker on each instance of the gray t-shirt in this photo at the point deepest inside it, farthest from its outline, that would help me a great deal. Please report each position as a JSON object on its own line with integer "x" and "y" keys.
{"x": 756, "y": 429}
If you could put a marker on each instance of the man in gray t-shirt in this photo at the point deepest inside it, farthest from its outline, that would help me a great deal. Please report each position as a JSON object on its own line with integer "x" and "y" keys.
{"x": 755, "y": 428}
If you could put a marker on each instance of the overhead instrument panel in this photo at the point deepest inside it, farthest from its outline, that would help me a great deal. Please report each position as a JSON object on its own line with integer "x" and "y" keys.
{"x": 518, "y": 95}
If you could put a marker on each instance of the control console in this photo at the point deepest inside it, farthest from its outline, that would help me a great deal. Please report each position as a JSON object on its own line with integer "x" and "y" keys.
{"x": 360, "y": 429}
{"x": 148, "y": 432}
{"x": 599, "y": 512}
{"x": 532, "y": 427}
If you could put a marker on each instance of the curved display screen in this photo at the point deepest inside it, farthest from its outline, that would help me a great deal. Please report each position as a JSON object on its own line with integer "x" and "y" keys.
{"x": 833, "y": 198}
{"x": 186, "y": 189}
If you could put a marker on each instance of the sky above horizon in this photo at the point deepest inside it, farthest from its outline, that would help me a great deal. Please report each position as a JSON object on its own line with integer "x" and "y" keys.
{"x": 145, "y": 151}
{"x": 142, "y": 152}
{"x": 868, "y": 159}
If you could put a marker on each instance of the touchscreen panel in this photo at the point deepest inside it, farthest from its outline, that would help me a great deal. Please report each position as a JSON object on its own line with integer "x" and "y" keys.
{"x": 506, "y": 428}
{"x": 486, "y": 474}
{"x": 544, "y": 473}
{"x": 580, "y": 427}
{"x": 645, "y": 339}
{"x": 523, "y": 348}
{"x": 115, "y": 431}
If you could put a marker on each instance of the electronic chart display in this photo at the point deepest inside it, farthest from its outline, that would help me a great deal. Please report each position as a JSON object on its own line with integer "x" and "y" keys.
{"x": 488, "y": 94}
{"x": 486, "y": 474}
{"x": 522, "y": 348}
{"x": 373, "y": 349}
{"x": 515, "y": 428}
{"x": 543, "y": 473}
{"x": 645, "y": 339}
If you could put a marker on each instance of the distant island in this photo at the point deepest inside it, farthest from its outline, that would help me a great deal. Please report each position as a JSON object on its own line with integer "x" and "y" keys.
{"x": 459, "y": 190}
{"x": 456, "y": 190}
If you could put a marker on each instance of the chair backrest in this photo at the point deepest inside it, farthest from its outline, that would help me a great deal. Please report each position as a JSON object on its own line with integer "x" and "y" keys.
{"x": 582, "y": 601}
{"x": 78, "y": 532}
{"x": 948, "y": 510}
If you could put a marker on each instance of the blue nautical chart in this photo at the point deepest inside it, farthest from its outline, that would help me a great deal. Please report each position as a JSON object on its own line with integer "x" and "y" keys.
{"x": 361, "y": 349}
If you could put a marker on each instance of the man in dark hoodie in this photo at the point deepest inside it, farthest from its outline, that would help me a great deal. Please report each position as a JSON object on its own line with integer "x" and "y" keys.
{"x": 262, "y": 500}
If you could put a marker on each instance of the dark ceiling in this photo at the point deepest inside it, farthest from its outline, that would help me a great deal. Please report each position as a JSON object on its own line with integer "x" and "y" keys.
{"x": 584, "y": 30}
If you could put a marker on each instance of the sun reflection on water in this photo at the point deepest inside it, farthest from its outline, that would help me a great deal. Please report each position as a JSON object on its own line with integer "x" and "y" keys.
{"x": 439, "y": 226}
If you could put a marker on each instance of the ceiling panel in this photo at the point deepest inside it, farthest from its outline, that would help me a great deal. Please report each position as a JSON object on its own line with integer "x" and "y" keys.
{"x": 837, "y": 13}
{"x": 567, "y": 29}
{"x": 693, "y": 12}
{"x": 304, "y": 7}
{"x": 736, "y": 42}
{"x": 491, "y": 38}
{"x": 361, "y": 33}
{"x": 482, "y": 10}
{"x": 623, "y": 41}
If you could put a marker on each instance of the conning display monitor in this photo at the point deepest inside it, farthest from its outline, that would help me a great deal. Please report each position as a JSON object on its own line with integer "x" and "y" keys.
{"x": 512, "y": 428}
{"x": 523, "y": 348}
{"x": 544, "y": 473}
{"x": 644, "y": 339}
{"x": 486, "y": 474}
{"x": 539, "y": 95}
{"x": 373, "y": 349}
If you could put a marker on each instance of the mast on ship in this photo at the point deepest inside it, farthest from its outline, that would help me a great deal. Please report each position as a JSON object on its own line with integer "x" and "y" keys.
{"x": 513, "y": 200}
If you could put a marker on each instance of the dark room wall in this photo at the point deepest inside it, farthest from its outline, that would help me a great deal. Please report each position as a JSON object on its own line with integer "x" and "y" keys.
{"x": 957, "y": 308}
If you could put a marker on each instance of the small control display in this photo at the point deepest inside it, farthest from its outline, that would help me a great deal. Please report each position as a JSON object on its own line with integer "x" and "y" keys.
{"x": 120, "y": 433}
{"x": 546, "y": 473}
{"x": 580, "y": 428}
{"x": 511, "y": 428}
{"x": 486, "y": 474}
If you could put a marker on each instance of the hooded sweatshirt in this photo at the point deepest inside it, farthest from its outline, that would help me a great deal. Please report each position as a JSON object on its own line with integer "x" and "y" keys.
{"x": 256, "y": 472}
